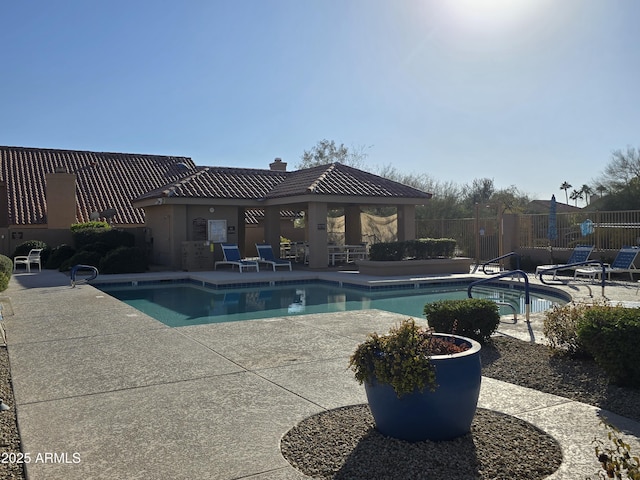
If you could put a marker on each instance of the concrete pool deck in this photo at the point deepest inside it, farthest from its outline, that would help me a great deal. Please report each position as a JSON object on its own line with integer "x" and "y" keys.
{"x": 116, "y": 394}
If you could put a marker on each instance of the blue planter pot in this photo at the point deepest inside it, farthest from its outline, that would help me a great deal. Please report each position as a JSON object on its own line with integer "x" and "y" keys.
{"x": 443, "y": 414}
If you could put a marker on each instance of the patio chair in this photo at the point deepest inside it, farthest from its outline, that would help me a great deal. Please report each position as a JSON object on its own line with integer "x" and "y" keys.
{"x": 28, "y": 260}
{"x": 623, "y": 263}
{"x": 232, "y": 257}
{"x": 580, "y": 253}
{"x": 265, "y": 255}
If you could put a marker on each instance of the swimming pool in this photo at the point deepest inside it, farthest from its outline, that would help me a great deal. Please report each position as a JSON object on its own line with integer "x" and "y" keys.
{"x": 182, "y": 304}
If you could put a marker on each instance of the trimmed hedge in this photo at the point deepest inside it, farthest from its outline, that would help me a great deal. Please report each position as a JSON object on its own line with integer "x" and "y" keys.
{"x": 612, "y": 336}
{"x": 475, "y": 318}
{"x": 421, "y": 249}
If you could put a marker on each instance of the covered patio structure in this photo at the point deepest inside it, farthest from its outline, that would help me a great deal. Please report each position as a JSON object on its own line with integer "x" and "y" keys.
{"x": 209, "y": 207}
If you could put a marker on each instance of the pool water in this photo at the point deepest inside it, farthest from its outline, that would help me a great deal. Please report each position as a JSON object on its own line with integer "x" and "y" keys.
{"x": 178, "y": 305}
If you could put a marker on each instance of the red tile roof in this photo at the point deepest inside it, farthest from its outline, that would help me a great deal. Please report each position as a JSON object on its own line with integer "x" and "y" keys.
{"x": 114, "y": 180}
{"x": 104, "y": 180}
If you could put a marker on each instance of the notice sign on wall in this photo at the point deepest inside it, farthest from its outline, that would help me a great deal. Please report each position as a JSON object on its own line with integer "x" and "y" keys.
{"x": 217, "y": 231}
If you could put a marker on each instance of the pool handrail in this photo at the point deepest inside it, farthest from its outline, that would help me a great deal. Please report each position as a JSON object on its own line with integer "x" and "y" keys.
{"x": 74, "y": 271}
{"x": 511, "y": 273}
{"x": 493, "y": 260}
{"x": 568, "y": 266}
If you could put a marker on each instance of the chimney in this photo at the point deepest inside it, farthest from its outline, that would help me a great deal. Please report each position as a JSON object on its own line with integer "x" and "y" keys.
{"x": 60, "y": 194}
{"x": 278, "y": 165}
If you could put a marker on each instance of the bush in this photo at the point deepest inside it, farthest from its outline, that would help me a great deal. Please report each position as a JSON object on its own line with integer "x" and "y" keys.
{"x": 6, "y": 269}
{"x": 561, "y": 327}
{"x": 386, "y": 251}
{"x": 112, "y": 238}
{"x": 616, "y": 458}
{"x": 59, "y": 255}
{"x": 124, "y": 260}
{"x": 471, "y": 317}
{"x": 83, "y": 257}
{"x": 611, "y": 335}
{"x": 78, "y": 227}
{"x": 421, "y": 249}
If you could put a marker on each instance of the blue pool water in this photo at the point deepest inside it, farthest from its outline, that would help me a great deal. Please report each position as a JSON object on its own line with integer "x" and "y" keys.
{"x": 178, "y": 305}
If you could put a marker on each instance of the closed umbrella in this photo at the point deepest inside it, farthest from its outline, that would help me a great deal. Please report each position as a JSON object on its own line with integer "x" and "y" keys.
{"x": 552, "y": 232}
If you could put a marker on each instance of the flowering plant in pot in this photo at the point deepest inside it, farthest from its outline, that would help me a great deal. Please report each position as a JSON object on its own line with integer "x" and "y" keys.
{"x": 420, "y": 385}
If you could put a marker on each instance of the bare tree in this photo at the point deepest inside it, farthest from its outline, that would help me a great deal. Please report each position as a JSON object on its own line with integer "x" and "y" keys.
{"x": 622, "y": 169}
{"x": 326, "y": 152}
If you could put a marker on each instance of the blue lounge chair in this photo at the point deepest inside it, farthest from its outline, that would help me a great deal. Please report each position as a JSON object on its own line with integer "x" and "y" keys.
{"x": 623, "y": 263}
{"x": 265, "y": 255}
{"x": 232, "y": 257}
{"x": 580, "y": 253}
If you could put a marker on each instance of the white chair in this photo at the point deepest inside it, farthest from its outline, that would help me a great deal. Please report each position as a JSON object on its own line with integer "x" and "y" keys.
{"x": 28, "y": 260}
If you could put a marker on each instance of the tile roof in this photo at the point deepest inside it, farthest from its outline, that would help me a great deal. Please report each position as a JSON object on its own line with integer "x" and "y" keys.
{"x": 241, "y": 183}
{"x": 222, "y": 183}
{"x": 342, "y": 180}
{"x": 104, "y": 180}
{"x": 114, "y": 180}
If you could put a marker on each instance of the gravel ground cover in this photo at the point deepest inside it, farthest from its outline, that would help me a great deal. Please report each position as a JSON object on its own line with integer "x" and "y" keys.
{"x": 9, "y": 436}
{"x": 343, "y": 443}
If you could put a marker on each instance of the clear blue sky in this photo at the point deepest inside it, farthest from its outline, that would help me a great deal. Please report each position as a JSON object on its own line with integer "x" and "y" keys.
{"x": 528, "y": 92}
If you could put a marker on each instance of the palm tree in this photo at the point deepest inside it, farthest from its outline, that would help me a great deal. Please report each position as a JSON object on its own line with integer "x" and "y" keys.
{"x": 601, "y": 189}
{"x": 587, "y": 190}
{"x": 575, "y": 195}
{"x": 566, "y": 186}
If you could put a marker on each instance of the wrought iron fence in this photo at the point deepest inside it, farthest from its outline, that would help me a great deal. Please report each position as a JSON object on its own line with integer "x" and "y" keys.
{"x": 604, "y": 230}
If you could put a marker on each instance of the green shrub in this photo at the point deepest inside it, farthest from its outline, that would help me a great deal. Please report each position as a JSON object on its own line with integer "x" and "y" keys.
{"x": 420, "y": 249}
{"x": 611, "y": 335}
{"x": 83, "y": 257}
{"x": 6, "y": 269}
{"x": 560, "y": 326}
{"x": 78, "y": 227}
{"x": 124, "y": 260}
{"x": 99, "y": 247}
{"x": 471, "y": 317}
{"x": 112, "y": 238}
{"x": 59, "y": 255}
{"x": 386, "y": 251}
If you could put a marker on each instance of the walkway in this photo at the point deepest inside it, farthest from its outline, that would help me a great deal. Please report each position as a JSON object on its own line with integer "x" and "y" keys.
{"x": 116, "y": 394}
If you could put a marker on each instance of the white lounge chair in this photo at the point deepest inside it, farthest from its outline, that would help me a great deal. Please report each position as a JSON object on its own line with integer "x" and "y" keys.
{"x": 232, "y": 257}
{"x": 265, "y": 255}
{"x": 28, "y": 260}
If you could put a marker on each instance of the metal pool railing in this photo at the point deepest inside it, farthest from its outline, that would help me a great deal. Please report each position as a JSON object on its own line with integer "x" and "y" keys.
{"x": 569, "y": 266}
{"x": 527, "y": 299}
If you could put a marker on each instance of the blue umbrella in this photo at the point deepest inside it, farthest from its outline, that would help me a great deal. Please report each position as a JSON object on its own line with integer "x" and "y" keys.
{"x": 552, "y": 233}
